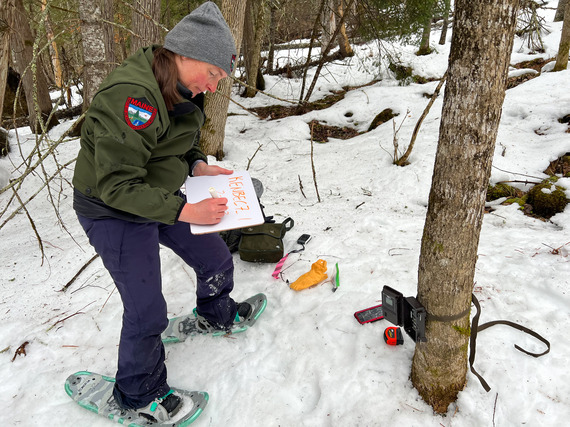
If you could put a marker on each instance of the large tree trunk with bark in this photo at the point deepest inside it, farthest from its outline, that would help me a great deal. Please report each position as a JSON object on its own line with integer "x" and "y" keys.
{"x": 564, "y": 46}
{"x": 478, "y": 63}
{"x": 146, "y": 15}
{"x": 216, "y": 105}
{"x": 27, "y": 63}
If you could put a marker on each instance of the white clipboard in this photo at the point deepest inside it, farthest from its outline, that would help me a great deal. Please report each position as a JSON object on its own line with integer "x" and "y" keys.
{"x": 243, "y": 204}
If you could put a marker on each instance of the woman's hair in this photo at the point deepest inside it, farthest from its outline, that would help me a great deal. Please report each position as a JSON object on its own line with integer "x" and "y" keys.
{"x": 166, "y": 74}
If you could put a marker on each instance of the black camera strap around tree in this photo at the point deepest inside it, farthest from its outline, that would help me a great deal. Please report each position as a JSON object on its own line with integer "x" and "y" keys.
{"x": 476, "y": 328}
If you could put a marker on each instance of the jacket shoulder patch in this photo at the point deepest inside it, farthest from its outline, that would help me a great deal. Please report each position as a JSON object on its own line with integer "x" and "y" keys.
{"x": 139, "y": 113}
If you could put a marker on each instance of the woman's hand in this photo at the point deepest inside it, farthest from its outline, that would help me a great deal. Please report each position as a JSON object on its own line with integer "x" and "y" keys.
{"x": 206, "y": 212}
{"x": 204, "y": 168}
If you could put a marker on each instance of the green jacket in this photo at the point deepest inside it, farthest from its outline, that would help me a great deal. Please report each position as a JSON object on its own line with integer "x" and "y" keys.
{"x": 135, "y": 154}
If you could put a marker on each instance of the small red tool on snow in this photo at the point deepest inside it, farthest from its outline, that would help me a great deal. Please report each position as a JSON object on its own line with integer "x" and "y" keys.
{"x": 393, "y": 336}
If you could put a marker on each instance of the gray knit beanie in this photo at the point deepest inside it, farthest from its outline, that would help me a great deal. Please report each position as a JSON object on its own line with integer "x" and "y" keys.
{"x": 204, "y": 35}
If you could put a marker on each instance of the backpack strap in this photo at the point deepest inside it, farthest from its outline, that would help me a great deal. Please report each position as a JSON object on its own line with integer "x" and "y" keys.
{"x": 475, "y": 328}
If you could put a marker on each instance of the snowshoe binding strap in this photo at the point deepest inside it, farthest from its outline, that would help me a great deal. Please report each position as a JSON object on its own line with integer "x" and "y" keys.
{"x": 161, "y": 409}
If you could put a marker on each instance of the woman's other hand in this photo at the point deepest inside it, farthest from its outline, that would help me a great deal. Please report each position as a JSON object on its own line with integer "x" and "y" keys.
{"x": 204, "y": 168}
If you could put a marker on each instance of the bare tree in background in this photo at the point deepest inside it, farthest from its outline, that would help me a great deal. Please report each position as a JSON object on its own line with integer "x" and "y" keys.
{"x": 328, "y": 23}
{"x": 483, "y": 34}
{"x": 559, "y": 15}
{"x": 255, "y": 25}
{"x": 97, "y": 43}
{"x": 145, "y": 24}
{"x": 564, "y": 46}
{"x": 26, "y": 59}
{"x": 343, "y": 43}
{"x": 425, "y": 48}
{"x": 6, "y": 23}
{"x": 54, "y": 54}
{"x": 445, "y": 24}
{"x": 216, "y": 106}
{"x": 332, "y": 15}
{"x": 273, "y": 7}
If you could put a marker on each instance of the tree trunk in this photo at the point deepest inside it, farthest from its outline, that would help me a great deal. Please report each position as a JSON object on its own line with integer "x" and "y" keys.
{"x": 564, "y": 46}
{"x": 54, "y": 54}
{"x": 323, "y": 58}
{"x": 482, "y": 41}
{"x": 424, "y": 44}
{"x": 446, "y": 11}
{"x": 342, "y": 38}
{"x": 97, "y": 43}
{"x": 6, "y": 10}
{"x": 26, "y": 55}
{"x": 272, "y": 24}
{"x": 146, "y": 13}
{"x": 559, "y": 16}
{"x": 254, "y": 29}
{"x": 216, "y": 105}
{"x": 328, "y": 23}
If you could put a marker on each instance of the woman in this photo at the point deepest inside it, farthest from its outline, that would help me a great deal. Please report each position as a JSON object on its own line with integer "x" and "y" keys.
{"x": 139, "y": 142}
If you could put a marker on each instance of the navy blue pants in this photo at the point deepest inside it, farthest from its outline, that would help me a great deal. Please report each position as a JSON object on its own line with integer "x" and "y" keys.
{"x": 130, "y": 252}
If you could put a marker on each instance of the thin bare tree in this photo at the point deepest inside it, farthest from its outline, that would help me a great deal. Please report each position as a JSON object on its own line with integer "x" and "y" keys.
{"x": 343, "y": 42}
{"x": 6, "y": 23}
{"x": 564, "y": 46}
{"x": 26, "y": 50}
{"x": 445, "y": 23}
{"x": 253, "y": 33}
{"x": 216, "y": 105}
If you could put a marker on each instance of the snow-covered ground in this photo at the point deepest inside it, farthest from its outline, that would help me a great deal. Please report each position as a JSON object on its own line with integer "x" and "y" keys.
{"x": 307, "y": 362}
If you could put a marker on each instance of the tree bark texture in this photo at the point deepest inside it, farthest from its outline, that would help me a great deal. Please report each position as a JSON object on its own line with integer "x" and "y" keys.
{"x": 146, "y": 13}
{"x": 424, "y": 44}
{"x": 253, "y": 32}
{"x": 564, "y": 46}
{"x": 271, "y": 49}
{"x": 328, "y": 23}
{"x": 216, "y": 105}
{"x": 445, "y": 24}
{"x": 6, "y": 10}
{"x": 559, "y": 16}
{"x": 343, "y": 43}
{"x": 97, "y": 43}
{"x": 53, "y": 52}
{"x": 482, "y": 41}
{"x": 27, "y": 64}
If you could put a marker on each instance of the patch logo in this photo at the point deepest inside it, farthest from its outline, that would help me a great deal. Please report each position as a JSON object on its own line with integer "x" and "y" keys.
{"x": 139, "y": 114}
{"x": 233, "y": 63}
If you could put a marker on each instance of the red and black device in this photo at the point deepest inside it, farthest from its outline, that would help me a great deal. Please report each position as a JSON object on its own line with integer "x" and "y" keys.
{"x": 393, "y": 336}
{"x": 370, "y": 314}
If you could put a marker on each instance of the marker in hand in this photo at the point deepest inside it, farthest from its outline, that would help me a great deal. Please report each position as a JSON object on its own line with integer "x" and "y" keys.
{"x": 213, "y": 192}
